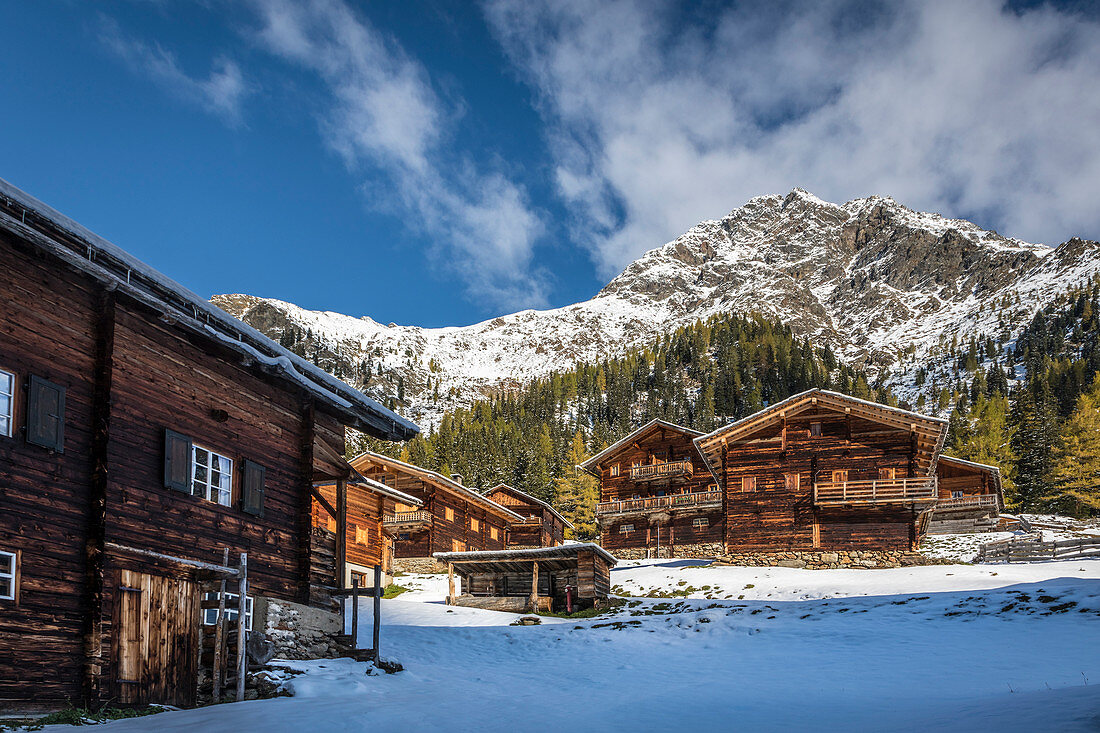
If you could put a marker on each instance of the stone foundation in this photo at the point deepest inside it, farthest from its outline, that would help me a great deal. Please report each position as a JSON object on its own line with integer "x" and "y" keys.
{"x": 706, "y": 551}
{"x": 828, "y": 559}
{"x": 297, "y": 631}
{"x": 418, "y": 565}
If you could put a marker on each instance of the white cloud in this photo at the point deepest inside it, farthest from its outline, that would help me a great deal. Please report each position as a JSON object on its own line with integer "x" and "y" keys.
{"x": 386, "y": 116}
{"x": 964, "y": 108}
{"x": 222, "y": 93}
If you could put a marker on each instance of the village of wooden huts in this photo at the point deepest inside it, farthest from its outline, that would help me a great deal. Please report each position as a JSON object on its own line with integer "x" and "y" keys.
{"x": 176, "y": 482}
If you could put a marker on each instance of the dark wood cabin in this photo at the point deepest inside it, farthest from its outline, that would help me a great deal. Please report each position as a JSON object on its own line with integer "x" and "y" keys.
{"x": 970, "y": 497}
{"x": 452, "y": 518}
{"x": 657, "y": 492}
{"x": 821, "y": 470}
{"x": 365, "y": 541}
{"x": 542, "y": 525}
{"x": 144, "y": 434}
{"x": 550, "y": 579}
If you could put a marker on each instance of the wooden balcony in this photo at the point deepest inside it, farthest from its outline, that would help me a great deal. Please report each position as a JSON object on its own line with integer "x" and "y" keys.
{"x": 879, "y": 491}
{"x": 528, "y": 522}
{"x": 407, "y": 521}
{"x": 985, "y": 501}
{"x": 696, "y": 500}
{"x": 662, "y": 471}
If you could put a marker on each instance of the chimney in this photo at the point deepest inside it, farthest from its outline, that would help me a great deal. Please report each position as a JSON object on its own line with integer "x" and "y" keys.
{"x": 457, "y": 478}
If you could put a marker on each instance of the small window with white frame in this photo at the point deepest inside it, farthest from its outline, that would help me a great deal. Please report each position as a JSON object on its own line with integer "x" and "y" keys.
{"x": 210, "y": 615}
{"x": 614, "y": 470}
{"x": 700, "y": 523}
{"x": 211, "y": 476}
{"x": 957, "y": 494}
{"x": 8, "y": 575}
{"x": 7, "y": 403}
{"x": 626, "y": 528}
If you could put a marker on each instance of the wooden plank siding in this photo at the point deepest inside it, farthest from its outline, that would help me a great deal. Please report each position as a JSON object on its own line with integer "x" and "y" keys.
{"x": 546, "y": 528}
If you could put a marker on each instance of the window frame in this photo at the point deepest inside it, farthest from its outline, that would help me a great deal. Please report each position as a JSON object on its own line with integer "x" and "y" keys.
{"x": 700, "y": 523}
{"x": 626, "y": 528}
{"x": 796, "y": 478}
{"x": 11, "y": 404}
{"x": 958, "y": 494}
{"x": 816, "y": 430}
{"x": 746, "y": 483}
{"x": 230, "y": 607}
{"x": 449, "y": 514}
{"x": 12, "y": 577}
{"x": 362, "y": 535}
{"x": 615, "y": 470}
{"x": 475, "y": 524}
{"x": 195, "y": 447}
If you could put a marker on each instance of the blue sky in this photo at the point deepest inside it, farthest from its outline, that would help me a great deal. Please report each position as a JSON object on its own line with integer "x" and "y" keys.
{"x": 440, "y": 163}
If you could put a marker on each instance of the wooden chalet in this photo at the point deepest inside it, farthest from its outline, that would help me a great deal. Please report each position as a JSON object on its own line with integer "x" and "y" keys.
{"x": 567, "y": 578}
{"x": 452, "y": 518}
{"x": 364, "y": 544}
{"x": 153, "y": 451}
{"x": 822, "y": 470}
{"x": 657, "y": 494}
{"x": 542, "y": 525}
{"x": 970, "y": 496}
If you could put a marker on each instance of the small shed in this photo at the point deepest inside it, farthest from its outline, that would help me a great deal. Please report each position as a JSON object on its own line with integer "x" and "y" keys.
{"x": 539, "y": 579}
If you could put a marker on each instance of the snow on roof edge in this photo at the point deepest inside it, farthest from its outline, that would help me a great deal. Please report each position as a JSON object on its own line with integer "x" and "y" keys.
{"x": 535, "y": 552}
{"x": 532, "y": 498}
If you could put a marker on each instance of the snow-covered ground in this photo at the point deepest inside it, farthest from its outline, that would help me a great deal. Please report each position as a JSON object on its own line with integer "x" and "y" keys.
{"x": 959, "y": 647}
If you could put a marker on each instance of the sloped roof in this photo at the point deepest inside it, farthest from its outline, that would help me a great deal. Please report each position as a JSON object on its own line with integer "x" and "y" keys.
{"x": 35, "y": 222}
{"x": 591, "y": 463}
{"x": 436, "y": 479}
{"x": 536, "y": 553}
{"x": 527, "y": 497}
{"x": 994, "y": 471}
{"x": 931, "y": 431}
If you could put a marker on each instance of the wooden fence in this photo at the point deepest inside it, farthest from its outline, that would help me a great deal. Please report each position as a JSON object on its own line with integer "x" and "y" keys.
{"x": 1030, "y": 548}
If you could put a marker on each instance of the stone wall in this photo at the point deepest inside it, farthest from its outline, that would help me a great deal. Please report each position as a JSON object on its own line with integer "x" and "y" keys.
{"x": 418, "y": 565}
{"x": 706, "y": 551}
{"x": 825, "y": 559}
{"x": 297, "y": 631}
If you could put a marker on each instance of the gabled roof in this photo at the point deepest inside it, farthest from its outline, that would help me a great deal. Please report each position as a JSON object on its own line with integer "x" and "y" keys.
{"x": 994, "y": 471}
{"x": 527, "y": 497}
{"x": 591, "y": 464}
{"x": 931, "y": 431}
{"x": 436, "y": 479}
{"x": 35, "y": 222}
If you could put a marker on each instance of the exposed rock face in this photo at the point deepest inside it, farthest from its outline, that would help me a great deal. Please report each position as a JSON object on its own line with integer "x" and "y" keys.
{"x": 870, "y": 277}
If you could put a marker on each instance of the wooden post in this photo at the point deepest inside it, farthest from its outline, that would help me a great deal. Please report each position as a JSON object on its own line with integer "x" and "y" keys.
{"x": 341, "y": 532}
{"x": 219, "y": 635}
{"x": 242, "y": 628}
{"x": 450, "y": 584}
{"x": 354, "y": 612}
{"x": 534, "y": 600}
{"x": 377, "y": 608}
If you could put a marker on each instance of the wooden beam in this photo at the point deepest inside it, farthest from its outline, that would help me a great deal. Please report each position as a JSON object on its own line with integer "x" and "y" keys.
{"x": 323, "y": 501}
{"x": 377, "y": 625}
{"x": 242, "y": 628}
{"x": 218, "y": 570}
{"x": 450, "y": 584}
{"x": 341, "y": 531}
{"x": 534, "y": 599}
{"x": 219, "y": 636}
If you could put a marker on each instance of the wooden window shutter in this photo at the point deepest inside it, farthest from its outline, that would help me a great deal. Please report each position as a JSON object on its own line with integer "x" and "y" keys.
{"x": 177, "y": 461}
{"x": 252, "y": 489}
{"x": 46, "y": 414}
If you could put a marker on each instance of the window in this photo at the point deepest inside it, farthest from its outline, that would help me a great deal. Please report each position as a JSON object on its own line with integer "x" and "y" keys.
{"x": 475, "y": 526}
{"x": 458, "y": 546}
{"x": 210, "y": 615}
{"x": 8, "y": 562}
{"x": 748, "y": 483}
{"x": 330, "y": 522}
{"x": 211, "y": 476}
{"x": 700, "y": 523}
{"x": 449, "y": 514}
{"x": 957, "y": 494}
{"x": 815, "y": 429}
{"x": 614, "y": 470}
{"x": 7, "y": 403}
{"x": 493, "y": 533}
{"x": 626, "y": 528}
{"x": 887, "y": 473}
{"x": 791, "y": 481}
{"x": 840, "y": 477}
{"x": 400, "y": 508}
{"x": 362, "y": 536}
{"x": 404, "y": 536}
{"x": 46, "y": 414}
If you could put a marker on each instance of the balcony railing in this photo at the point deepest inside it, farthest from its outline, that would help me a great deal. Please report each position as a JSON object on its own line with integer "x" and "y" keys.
{"x": 969, "y": 502}
{"x": 673, "y": 501}
{"x": 656, "y": 471}
{"x": 879, "y": 491}
{"x": 407, "y": 518}
{"x": 528, "y": 522}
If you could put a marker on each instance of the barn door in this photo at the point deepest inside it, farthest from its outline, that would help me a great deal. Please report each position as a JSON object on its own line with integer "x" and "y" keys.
{"x": 156, "y": 639}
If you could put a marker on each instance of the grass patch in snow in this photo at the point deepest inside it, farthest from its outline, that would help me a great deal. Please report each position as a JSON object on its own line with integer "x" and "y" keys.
{"x": 83, "y": 716}
{"x": 393, "y": 591}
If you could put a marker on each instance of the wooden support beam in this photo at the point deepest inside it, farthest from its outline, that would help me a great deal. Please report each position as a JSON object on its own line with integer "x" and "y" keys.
{"x": 219, "y": 636}
{"x": 341, "y": 532}
{"x": 450, "y": 584}
{"x": 377, "y": 626}
{"x": 242, "y": 628}
{"x": 534, "y": 599}
{"x": 323, "y": 502}
{"x": 355, "y": 612}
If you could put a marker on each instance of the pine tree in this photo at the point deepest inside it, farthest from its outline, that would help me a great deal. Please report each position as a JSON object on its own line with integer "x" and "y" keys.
{"x": 576, "y": 493}
{"x": 1075, "y": 475}
{"x": 1033, "y": 443}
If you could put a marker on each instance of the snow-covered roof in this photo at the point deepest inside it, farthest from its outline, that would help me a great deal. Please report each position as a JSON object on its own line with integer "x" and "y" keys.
{"x": 527, "y": 497}
{"x": 438, "y": 479}
{"x": 380, "y": 488}
{"x": 536, "y": 553}
{"x": 81, "y": 248}
{"x": 610, "y": 450}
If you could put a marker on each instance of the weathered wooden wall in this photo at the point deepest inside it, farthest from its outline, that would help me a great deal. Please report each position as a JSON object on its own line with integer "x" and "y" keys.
{"x": 549, "y": 532}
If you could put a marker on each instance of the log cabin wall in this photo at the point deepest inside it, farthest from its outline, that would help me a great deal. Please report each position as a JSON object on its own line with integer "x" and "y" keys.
{"x": 47, "y": 329}
{"x": 682, "y": 526}
{"x": 550, "y": 530}
{"x": 780, "y": 514}
{"x": 956, "y": 481}
{"x": 366, "y": 543}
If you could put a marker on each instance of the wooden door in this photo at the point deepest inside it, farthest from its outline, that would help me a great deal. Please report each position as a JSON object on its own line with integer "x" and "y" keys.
{"x": 156, "y": 639}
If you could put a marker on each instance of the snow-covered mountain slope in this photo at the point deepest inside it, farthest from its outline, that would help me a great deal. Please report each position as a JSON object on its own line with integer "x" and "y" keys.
{"x": 879, "y": 282}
